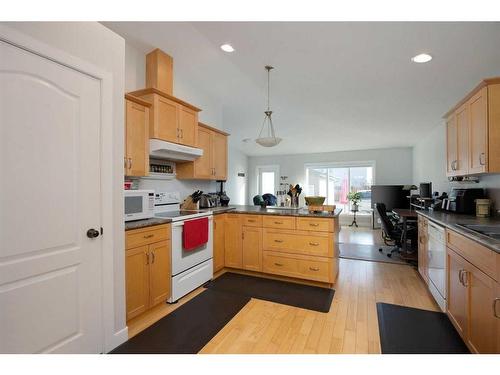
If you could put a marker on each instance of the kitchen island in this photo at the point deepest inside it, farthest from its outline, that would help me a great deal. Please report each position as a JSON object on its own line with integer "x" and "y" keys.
{"x": 281, "y": 242}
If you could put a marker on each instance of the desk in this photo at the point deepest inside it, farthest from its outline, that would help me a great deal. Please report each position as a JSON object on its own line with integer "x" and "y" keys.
{"x": 405, "y": 214}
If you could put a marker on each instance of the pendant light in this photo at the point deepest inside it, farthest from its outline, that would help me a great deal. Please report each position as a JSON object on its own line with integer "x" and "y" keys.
{"x": 267, "y": 137}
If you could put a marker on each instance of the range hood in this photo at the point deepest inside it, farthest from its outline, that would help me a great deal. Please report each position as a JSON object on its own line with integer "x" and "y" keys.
{"x": 159, "y": 149}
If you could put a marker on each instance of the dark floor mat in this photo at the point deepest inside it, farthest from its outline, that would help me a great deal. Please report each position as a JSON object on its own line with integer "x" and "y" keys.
{"x": 189, "y": 328}
{"x": 286, "y": 293}
{"x": 405, "y": 330}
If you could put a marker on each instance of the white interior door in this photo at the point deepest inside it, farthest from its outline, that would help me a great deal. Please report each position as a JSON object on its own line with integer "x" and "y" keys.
{"x": 50, "y": 271}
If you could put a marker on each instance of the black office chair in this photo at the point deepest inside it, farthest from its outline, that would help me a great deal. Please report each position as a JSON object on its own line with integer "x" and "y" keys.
{"x": 392, "y": 231}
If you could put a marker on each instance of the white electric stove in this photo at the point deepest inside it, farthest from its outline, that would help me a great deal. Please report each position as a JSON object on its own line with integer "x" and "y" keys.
{"x": 190, "y": 269}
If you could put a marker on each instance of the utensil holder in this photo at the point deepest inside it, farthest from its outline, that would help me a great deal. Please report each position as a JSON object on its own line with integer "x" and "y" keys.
{"x": 295, "y": 201}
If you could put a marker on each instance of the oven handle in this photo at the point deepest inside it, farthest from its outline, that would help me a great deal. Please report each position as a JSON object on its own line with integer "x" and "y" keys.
{"x": 181, "y": 223}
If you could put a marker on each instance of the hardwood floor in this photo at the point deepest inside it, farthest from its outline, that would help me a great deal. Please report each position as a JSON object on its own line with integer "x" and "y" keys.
{"x": 350, "y": 326}
{"x": 360, "y": 236}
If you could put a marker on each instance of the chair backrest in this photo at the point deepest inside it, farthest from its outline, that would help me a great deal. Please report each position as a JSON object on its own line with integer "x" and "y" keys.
{"x": 387, "y": 225}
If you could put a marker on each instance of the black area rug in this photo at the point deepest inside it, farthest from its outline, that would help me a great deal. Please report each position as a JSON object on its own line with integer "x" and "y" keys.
{"x": 405, "y": 330}
{"x": 189, "y": 328}
{"x": 286, "y": 293}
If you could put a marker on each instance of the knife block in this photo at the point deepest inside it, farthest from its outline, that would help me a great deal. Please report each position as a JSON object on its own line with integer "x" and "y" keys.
{"x": 188, "y": 204}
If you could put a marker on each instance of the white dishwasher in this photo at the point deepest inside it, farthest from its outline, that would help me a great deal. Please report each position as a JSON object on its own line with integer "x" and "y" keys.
{"x": 436, "y": 247}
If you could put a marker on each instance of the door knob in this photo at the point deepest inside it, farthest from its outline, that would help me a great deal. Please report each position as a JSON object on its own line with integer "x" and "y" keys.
{"x": 92, "y": 233}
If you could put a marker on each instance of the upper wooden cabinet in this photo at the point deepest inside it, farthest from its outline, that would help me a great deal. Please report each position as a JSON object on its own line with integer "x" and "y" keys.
{"x": 136, "y": 160}
{"x": 473, "y": 132}
{"x": 212, "y": 165}
{"x": 172, "y": 119}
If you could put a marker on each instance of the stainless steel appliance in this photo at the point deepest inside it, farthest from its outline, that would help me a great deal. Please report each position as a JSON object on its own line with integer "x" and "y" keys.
{"x": 462, "y": 201}
{"x": 208, "y": 201}
{"x": 190, "y": 269}
{"x": 436, "y": 246}
{"x": 139, "y": 204}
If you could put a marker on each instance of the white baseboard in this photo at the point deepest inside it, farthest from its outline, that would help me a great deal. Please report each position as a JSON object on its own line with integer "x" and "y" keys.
{"x": 117, "y": 339}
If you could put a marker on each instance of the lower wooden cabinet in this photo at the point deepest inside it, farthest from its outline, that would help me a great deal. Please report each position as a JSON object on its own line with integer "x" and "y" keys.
{"x": 147, "y": 268}
{"x": 423, "y": 255}
{"x": 252, "y": 249}
{"x": 272, "y": 244}
{"x": 473, "y": 300}
{"x": 219, "y": 238}
{"x": 233, "y": 255}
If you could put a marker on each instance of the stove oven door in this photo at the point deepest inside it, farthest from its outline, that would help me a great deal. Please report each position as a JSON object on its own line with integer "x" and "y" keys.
{"x": 183, "y": 260}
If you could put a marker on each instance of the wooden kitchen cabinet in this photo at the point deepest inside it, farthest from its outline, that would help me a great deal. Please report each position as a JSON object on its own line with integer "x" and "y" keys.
{"x": 147, "y": 268}
{"x": 219, "y": 242}
{"x": 423, "y": 255}
{"x": 457, "y": 292}
{"x": 252, "y": 249}
{"x": 473, "y": 132}
{"x": 233, "y": 255}
{"x": 472, "y": 292}
{"x": 478, "y": 132}
{"x": 137, "y": 280}
{"x": 484, "y": 327}
{"x": 171, "y": 119}
{"x": 212, "y": 165}
{"x": 136, "y": 161}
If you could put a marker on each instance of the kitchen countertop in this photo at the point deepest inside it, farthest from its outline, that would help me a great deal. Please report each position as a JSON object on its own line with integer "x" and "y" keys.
{"x": 252, "y": 210}
{"x": 257, "y": 210}
{"x": 450, "y": 220}
{"x": 136, "y": 224}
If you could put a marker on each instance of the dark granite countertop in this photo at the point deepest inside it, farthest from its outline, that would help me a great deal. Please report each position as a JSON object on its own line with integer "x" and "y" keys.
{"x": 257, "y": 210}
{"x": 450, "y": 220}
{"x": 136, "y": 224}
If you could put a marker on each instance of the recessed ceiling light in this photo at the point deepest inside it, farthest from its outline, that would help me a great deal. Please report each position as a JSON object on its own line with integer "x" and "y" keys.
{"x": 227, "y": 48}
{"x": 422, "y": 58}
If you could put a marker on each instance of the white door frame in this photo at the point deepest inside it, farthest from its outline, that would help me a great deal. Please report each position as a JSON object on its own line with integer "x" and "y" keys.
{"x": 110, "y": 338}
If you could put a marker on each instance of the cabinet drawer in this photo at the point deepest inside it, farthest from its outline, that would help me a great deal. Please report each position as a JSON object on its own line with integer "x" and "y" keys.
{"x": 481, "y": 257}
{"x": 317, "y": 270}
{"x": 251, "y": 220}
{"x": 285, "y": 241}
{"x": 144, "y": 236}
{"x": 279, "y": 222}
{"x": 313, "y": 224}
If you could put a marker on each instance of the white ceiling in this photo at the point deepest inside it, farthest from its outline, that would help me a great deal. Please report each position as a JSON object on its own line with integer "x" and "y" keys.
{"x": 336, "y": 86}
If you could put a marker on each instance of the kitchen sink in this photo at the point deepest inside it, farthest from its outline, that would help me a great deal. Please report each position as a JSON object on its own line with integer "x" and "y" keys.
{"x": 492, "y": 231}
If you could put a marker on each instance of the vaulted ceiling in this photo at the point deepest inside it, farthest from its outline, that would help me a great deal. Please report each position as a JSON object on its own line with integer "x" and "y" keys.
{"x": 337, "y": 85}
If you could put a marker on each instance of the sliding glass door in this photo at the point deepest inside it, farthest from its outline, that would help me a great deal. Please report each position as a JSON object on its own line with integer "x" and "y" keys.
{"x": 335, "y": 182}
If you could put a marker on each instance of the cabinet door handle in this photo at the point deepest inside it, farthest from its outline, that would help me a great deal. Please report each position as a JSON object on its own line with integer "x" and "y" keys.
{"x": 465, "y": 278}
{"x": 153, "y": 256}
{"x": 148, "y": 236}
{"x": 460, "y": 276}
{"x": 147, "y": 258}
{"x": 278, "y": 241}
{"x": 314, "y": 243}
{"x": 481, "y": 162}
{"x": 278, "y": 264}
{"x": 314, "y": 268}
{"x": 495, "y": 307}
{"x": 314, "y": 224}
{"x": 278, "y": 222}
{"x": 129, "y": 163}
{"x": 251, "y": 221}
{"x": 182, "y": 133}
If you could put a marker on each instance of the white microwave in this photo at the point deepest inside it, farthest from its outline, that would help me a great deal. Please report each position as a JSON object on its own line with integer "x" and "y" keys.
{"x": 139, "y": 204}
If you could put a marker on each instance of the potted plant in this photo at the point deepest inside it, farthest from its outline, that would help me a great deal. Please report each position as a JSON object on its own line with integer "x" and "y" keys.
{"x": 355, "y": 198}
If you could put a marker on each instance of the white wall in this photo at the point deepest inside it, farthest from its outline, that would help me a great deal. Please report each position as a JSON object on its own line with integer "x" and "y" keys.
{"x": 429, "y": 164}
{"x": 92, "y": 42}
{"x": 185, "y": 88}
{"x": 392, "y": 165}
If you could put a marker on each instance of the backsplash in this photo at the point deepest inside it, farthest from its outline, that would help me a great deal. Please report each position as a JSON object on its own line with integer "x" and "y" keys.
{"x": 184, "y": 187}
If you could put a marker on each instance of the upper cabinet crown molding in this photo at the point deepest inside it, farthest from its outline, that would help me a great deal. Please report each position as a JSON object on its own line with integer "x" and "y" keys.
{"x": 473, "y": 131}
{"x": 152, "y": 90}
{"x": 137, "y": 100}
